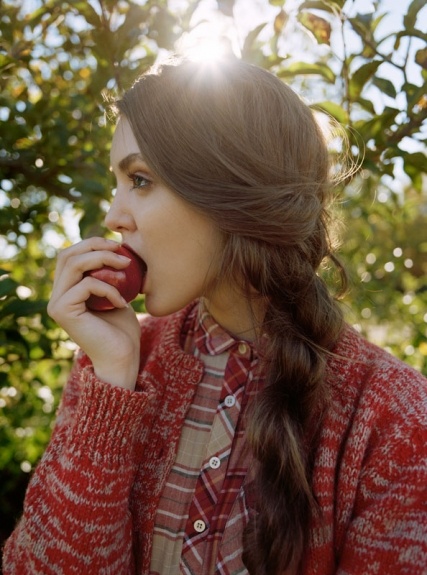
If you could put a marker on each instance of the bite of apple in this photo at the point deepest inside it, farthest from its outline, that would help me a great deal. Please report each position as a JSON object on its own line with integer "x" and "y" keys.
{"x": 128, "y": 281}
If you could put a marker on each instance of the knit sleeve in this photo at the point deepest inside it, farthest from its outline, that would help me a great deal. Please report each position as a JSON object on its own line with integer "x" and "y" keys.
{"x": 386, "y": 473}
{"x": 388, "y": 532}
{"x": 76, "y": 515}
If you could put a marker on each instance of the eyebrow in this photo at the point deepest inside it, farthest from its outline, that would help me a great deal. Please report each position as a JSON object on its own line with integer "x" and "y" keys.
{"x": 126, "y": 162}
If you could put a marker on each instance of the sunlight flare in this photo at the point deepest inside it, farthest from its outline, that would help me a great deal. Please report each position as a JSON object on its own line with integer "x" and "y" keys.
{"x": 208, "y": 48}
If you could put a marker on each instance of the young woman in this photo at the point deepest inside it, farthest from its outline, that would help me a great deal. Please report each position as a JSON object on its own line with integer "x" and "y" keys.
{"x": 241, "y": 426}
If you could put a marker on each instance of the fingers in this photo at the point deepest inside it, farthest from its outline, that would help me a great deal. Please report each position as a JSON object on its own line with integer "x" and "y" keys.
{"x": 71, "y": 289}
{"x": 90, "y": 254}
{"x": 72, "y": 302}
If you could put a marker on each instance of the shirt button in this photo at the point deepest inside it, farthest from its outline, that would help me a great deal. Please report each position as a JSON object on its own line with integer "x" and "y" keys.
{"x": 230, "y": 400}
{"x": 199, "y": 525}
{"x": 242, "y": 348}
{"x": 214, "y": 462}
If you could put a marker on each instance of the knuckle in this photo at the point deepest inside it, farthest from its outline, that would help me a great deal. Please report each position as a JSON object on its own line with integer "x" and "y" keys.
{"x": 51, "y": 309}
{"x": 62, "y": 255}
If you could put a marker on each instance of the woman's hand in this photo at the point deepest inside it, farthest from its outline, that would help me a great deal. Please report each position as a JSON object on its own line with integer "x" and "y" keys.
{"x": 110, "y": 339}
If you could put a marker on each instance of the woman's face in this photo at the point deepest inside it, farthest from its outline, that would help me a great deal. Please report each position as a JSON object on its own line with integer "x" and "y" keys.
{"x": 178, "y": 244}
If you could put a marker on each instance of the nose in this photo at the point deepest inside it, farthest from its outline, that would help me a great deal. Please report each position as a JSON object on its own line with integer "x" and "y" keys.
{"x": 119, "y": 217}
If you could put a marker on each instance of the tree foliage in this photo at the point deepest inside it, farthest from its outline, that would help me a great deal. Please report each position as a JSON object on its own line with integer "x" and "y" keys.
{"x": 58, "y": 62}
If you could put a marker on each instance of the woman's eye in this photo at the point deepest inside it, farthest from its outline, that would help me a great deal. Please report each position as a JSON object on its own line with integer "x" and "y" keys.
{"x": 139, "y": 181}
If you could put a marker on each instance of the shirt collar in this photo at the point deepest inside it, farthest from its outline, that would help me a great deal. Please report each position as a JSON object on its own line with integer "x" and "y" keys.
{"x": 210, "y": 338}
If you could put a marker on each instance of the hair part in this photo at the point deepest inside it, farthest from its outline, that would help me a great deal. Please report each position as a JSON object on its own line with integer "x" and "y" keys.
{"x": 237, "y": 143}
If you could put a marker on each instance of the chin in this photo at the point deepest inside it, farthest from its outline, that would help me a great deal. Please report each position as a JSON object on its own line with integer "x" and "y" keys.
{"x": 162, "y": 309}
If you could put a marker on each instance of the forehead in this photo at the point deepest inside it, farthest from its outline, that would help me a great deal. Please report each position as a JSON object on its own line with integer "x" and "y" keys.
{"x": 123, "y": 143}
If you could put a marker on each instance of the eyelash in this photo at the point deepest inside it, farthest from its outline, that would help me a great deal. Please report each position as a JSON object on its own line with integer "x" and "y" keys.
{"x": 135, "y": 186}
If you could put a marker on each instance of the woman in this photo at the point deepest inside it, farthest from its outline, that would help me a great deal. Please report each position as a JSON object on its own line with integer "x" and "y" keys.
{"x": 242, "y": 426}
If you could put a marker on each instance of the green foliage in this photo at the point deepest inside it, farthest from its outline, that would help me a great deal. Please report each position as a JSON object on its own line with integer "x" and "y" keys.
{"x": 58, "y": 62}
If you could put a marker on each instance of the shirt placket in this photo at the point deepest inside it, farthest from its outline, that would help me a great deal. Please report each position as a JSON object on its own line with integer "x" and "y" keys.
{"x": 202, "y": 523}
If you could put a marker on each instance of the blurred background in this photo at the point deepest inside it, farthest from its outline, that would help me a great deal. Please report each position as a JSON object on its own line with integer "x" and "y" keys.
{"x": 363, "y": 63}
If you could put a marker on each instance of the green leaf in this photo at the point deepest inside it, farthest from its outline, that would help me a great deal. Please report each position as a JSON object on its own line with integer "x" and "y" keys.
{"x": 366, "y": 105}
{"x": 359, "y": 78}
{"x": 15, "y": 341}
{"x": 330, "y": 6}
{"x": 397, "y": 42}
{"x": 334, "y": 110}
{"x": 368, "y": 52}
{"x": 362, "y": 25}
{"x": 411, "y": 15}
{"x": 6, "y": 62}
{"x": 280, "y": 22}
{"x": 319, "y": 27}
{"x": 417, "y": 160}
{"x": 377, "y": 21}
{"x": 414, "y": 33}
{"x": 414, "y": 174}
{"x": 421, "y": 58}
{"x": 374, "y": 128}
{"x": 251, "y": 38}
{"x": 7, "y": 286}
{"x": 414, "y": 94}
{"x": 386, "y": 86}
{"x": 21, "y": 308}
{"x": 304, "y": 68}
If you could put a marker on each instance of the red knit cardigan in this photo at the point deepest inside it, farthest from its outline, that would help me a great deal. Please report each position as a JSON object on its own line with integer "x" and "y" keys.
{"x": 91, "y": 503}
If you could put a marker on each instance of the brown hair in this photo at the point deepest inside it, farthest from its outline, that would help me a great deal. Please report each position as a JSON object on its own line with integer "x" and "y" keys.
{"x": 240, "y": 145}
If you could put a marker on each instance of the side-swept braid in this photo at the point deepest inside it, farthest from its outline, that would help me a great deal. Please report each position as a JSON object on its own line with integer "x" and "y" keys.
{"x": 284, "y": 419}
{"x": 302, "y": 322}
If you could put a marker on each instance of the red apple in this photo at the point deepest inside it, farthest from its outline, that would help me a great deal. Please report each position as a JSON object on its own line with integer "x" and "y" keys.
{"x": 129, "y": 281}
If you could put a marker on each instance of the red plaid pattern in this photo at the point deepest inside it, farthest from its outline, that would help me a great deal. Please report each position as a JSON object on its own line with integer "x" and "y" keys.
{"x": 205, "y": 486}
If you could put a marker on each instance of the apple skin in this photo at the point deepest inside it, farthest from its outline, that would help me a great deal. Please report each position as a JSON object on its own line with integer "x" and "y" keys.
{"x": 129, "y": 281}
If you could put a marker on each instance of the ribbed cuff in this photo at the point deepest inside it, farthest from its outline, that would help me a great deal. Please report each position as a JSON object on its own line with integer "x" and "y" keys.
{"x": 110, "y": 421}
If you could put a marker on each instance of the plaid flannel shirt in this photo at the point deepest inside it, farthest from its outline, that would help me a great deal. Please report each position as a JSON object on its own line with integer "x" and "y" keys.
{"x": 212, "y": 462}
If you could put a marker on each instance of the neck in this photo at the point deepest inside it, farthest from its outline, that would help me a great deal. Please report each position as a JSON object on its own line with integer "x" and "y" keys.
{"x": 237, "y": 314}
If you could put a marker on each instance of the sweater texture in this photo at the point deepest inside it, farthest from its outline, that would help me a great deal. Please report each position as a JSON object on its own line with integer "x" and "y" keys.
{"x": 91, "y": 503}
